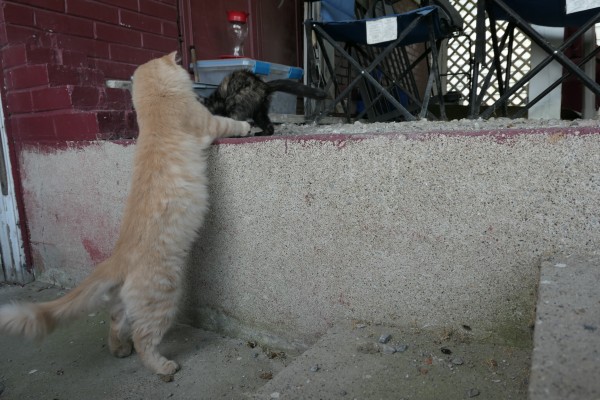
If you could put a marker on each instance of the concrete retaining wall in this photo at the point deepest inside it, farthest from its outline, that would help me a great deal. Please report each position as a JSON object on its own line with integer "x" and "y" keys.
{"x": 428, "y": 230}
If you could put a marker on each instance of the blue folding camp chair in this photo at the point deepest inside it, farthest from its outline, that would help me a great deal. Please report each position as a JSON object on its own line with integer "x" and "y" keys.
{"x": 381, "y": 75}
{"x": 521, "y": 14}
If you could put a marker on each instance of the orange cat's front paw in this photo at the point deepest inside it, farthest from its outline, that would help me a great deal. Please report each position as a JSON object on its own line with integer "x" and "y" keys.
{"x": 246, "y": 129}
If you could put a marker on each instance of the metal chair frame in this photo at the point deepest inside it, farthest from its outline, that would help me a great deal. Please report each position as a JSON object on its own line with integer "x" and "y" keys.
{"x": 486, "y": 7}
{"x": 391, "y": 61}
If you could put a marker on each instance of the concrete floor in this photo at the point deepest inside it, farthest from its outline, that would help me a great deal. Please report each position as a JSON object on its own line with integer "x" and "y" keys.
{"x": 74, "y": 362}
{"x": 346, "y": 363}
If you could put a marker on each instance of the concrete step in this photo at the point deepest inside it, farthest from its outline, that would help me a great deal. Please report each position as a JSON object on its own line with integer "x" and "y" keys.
{"x": 566, "y": 354}
{"x": 350, "y": 362}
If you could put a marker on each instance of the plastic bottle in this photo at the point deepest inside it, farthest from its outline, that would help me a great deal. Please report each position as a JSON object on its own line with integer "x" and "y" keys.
{"x": 238, "y": 31}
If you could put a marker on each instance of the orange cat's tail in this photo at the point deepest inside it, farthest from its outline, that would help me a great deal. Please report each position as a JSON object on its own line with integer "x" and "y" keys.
{"x": 35, "y": 321}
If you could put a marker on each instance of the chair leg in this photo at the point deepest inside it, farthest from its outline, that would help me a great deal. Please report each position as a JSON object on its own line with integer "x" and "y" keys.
{"x": 311, "y": 63}
{"x": 502, "y": 79}
{"x": 434, "y": 75}
{"x": 436, "y": 72}
{"x": 509, "y": 58}
{"x": 479, "y": 58}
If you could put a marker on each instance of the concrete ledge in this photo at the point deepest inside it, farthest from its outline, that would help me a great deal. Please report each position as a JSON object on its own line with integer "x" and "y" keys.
{"x": 566, "y": 352}
{"x": 430, "y": 230}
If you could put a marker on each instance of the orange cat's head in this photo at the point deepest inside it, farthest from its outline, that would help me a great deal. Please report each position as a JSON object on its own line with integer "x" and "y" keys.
{"x": 160, "y": 77}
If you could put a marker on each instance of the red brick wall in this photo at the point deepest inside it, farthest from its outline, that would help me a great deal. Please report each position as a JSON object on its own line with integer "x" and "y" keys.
{"x": 56, "y": 56}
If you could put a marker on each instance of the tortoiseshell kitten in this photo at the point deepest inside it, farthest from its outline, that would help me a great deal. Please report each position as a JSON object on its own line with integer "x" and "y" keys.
{"x": 243, "y": 95}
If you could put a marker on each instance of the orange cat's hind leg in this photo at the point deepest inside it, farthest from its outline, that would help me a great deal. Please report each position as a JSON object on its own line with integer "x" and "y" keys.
{"x": 146, "y": 343}
{"x": 119, "y": 336}
{"x": 150, "y": 307}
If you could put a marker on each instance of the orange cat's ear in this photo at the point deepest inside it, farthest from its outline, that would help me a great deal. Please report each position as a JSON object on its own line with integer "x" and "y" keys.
{"x": 175, "y": 57}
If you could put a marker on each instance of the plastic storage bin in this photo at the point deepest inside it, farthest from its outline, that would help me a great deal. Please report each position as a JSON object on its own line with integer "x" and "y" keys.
{"x": 212, "y": 72}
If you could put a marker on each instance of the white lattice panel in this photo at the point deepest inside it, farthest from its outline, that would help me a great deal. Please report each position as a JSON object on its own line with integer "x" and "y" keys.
{"x": 461, "y": 49}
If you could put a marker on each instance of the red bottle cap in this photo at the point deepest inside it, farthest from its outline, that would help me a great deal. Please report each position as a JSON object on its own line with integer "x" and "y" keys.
{"x": 237, "y": 16}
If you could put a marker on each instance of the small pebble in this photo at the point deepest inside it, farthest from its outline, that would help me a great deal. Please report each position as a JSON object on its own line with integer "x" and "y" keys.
{"x": 401, "y": 348}
{"x": 314, "y": 368}
{"x": 275, "y": 395}
{"x": 472, "y": 393}
{"x": 384, "y": 338}
{"x": 446, "y": 350}
{"x": 458, "y": 361}
{"x": 387, "y": 349}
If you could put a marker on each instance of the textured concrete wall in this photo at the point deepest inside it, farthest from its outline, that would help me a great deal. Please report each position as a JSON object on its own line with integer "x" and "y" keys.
{"x": 73, "y": 199}
{"x": 425, "y": 230}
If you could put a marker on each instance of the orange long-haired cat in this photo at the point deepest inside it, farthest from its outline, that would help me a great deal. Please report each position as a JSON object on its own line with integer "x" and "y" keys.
{"x": 168, "y": 199}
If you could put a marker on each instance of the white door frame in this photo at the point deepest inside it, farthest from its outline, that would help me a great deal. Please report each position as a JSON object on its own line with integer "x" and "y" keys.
{"x": 12, "y": 255}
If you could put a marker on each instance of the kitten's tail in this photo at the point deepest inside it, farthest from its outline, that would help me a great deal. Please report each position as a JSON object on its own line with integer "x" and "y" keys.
{"x": 293, "y": 87}
{"x": 35, "y": 321}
